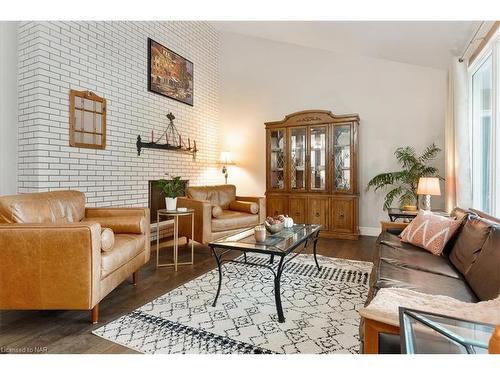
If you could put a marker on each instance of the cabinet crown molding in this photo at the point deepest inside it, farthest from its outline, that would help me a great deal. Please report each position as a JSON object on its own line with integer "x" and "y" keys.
{"x": 313, "y": 117}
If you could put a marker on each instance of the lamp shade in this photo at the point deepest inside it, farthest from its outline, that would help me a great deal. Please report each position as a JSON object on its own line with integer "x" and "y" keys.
{"x": 226, "y": 158}
{"x": 428, "y": 186}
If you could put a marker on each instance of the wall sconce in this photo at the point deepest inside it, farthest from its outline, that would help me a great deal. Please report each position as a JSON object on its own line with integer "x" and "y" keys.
{"x": 428, "y": 186}
{"x": 225, "y": 160}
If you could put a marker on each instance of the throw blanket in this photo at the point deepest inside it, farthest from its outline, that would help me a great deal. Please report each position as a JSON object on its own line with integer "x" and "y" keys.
{"x": 384, "y": 307}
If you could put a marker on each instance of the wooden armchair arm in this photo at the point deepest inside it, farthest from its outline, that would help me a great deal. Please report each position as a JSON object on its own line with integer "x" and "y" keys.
{"x": 388, "y": 225}
{"x": 372, "y": 328}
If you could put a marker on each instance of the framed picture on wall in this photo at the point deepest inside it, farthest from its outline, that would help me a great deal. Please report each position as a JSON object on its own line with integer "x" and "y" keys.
{"x": 169, "y": 74}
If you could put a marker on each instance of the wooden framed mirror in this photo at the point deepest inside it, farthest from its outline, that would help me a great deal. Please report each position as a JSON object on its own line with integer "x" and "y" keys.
{"x": 87, "y": 121}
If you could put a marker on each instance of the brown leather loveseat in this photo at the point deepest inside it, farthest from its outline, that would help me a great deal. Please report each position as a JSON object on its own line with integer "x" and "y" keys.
{"x": 468, "y": 270}
{"x": 219, "y": 212}
{"x": 55, "y": 255}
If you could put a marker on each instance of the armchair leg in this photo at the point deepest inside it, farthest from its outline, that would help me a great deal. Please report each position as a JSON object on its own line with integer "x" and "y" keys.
{"x": 135, "y": 277}
{"x": 95, "y": 314}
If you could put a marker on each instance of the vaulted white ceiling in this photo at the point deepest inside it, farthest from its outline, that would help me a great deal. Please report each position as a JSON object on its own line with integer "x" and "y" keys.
{"x": 427, "y": 43}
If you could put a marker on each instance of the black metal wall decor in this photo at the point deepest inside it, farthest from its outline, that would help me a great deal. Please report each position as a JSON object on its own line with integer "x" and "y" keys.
{"x": 173, "y": 140}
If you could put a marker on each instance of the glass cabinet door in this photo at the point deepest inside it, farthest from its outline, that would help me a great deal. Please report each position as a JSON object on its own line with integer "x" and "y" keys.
{"x": 276, "y": 140}
{"x": 297, "y": 160}
{"x": 317, "y": 159}
{"x": 342, "y": 157}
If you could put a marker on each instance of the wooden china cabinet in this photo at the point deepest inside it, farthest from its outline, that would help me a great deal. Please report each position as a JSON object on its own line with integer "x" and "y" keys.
{"x": 312, "y": 170}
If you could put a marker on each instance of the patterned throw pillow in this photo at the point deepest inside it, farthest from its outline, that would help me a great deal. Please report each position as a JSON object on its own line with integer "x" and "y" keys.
{"x": 430, "y": 232}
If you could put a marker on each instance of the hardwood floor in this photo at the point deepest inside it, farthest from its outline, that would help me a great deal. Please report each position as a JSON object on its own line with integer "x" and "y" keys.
{"x": 71, "y": 332}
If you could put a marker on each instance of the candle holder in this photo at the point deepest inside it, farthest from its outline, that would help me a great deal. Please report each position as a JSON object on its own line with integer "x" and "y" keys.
{"x": 173, "y": 140}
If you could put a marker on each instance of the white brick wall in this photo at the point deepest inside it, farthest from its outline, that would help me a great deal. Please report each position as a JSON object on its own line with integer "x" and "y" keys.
{"x": 110, "y": 59}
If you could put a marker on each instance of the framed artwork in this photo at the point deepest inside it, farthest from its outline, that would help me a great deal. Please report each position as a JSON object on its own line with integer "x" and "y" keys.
{"x": 169, "y": 74}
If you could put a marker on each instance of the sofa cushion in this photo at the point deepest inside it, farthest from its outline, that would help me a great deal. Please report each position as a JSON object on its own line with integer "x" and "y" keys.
{"x": 234, "y": 220}
{"x": 469, "y": 242}
{"x": 430, "y": 232}
{"x": 67, "y": 206}
{"x": 461, "y": 216}
{"x": 221, "y": 195}
{"x": 121, "y": 224}
{"x": 410, "y": 256}
{"x": 484, "y": 274}
{"x": 458, "y": 213}
{"x": 485, "y": 215}
{"x": 248, "y": 207}
{"x": 126, "y": 247}
{"x": 392, "y": 275}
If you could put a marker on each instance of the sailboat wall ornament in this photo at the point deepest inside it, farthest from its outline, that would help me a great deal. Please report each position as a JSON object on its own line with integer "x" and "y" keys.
{"x": 173, "y": 140}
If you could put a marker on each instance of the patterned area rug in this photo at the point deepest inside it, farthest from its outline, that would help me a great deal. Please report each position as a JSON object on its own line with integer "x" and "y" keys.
{"x": 320, "y": 310}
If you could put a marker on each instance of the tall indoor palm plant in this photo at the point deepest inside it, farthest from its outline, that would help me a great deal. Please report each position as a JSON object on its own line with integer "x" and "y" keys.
{"x": 404, "y": 183}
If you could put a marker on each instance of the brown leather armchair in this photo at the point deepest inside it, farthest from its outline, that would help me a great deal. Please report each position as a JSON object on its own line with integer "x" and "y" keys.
{"x": 219, "y": 212}
{"x": 52, "y": 256}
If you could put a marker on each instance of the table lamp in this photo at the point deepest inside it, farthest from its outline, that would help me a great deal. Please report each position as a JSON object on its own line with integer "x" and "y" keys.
{"x": 428, "y": 186}
{"x": 225, "y": 159}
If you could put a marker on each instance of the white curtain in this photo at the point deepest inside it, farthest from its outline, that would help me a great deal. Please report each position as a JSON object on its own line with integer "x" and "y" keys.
{"x": 458, "y": 184}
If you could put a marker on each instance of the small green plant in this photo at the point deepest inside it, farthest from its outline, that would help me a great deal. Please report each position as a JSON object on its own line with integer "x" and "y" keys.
{"x": 404, "y": 183}
{"x": 171, "y": 188}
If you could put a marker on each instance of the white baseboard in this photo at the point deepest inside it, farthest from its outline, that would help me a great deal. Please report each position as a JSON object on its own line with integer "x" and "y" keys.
{"x": 369, "y": 231}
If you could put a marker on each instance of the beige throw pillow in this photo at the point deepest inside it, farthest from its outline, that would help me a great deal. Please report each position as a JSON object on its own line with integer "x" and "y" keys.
{"x": 107, "y": 239}
{"x": 216, "y": 211}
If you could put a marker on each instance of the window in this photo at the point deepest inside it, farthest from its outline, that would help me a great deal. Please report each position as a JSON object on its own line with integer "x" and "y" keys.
{"x": 484, "y": 94}
{"x": 482, "y": 135}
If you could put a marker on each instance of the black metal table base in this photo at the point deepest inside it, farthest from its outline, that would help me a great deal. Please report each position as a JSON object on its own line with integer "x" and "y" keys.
{"x": 276, "y": 272}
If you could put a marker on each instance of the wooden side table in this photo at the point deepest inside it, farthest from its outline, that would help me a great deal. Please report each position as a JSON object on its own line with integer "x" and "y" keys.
{"x": 397, "y": 213}
{"x": 175, "y": 214}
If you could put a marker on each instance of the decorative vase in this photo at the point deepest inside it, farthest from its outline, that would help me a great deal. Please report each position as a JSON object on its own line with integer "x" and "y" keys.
{"x": 171, "y": 204}
{"x": 274, "y": 228}
{"x": 288, "y": 222}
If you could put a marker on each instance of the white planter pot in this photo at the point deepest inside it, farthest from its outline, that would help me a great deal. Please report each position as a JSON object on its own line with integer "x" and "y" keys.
{"x": 171, "y": 204}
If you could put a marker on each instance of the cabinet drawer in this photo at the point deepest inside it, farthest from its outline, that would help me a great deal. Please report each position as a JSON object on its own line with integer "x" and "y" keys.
{"x": 342, "y": 214}
{"x": 319, "y": 212}
{"x": 276, "y": 205}
{"x": 297, "y": 210}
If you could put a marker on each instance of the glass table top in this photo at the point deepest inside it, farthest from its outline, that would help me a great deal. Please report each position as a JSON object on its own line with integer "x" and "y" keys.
{"x": 429, "y": 333}
{"x": 284, "y": 241}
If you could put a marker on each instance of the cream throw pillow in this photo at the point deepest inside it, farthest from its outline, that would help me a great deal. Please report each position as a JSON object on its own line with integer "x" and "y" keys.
{"x": 107, "y": 239}
{"x": 216, "y": 211}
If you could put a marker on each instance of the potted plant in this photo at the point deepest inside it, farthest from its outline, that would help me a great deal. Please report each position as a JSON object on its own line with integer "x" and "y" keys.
{"x": 404, "y": 183}
{"x": 171, "y": 189}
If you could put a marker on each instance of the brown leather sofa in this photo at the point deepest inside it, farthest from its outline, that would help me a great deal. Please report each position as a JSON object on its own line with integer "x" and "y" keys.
{"x": 468, "y": 270}
{"x": 51, "y": 252}
{"x": 236, "y": 212}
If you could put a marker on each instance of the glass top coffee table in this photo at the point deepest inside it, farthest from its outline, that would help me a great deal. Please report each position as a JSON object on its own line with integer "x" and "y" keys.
{"x": 429, "y": 333}
{"x": 285, "y": 245}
